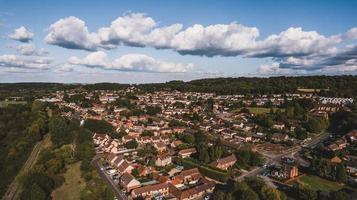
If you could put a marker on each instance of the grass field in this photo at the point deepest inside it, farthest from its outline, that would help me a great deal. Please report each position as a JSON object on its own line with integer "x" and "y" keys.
{"x": 6, "y": 103}
{"x": 261, "y": 110}
{"x": 317, "y": 183}
{"x": 73, "y": 185}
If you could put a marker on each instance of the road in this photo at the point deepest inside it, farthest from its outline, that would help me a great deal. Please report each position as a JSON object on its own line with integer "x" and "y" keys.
{"x": 276, "y": 158}
{"x": 118, "y": 193}
{"x": 15, "y": 185}
{"x": 252, "y": 172}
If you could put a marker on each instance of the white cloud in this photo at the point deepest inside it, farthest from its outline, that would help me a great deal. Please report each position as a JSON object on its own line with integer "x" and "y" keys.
{"x": 71, "y": 33}
{"x": 30, "y": 50}
{"x": 130, "y": 62}
{"x": 352, "y": 33}
{"x": 22, "y": 34}
{"x": 294, "y": 42}
{"x": 29, "y": 62}
{"x": 293, "y": 49}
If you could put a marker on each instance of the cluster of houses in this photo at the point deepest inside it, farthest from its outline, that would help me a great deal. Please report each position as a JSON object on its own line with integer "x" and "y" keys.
{"x": 234, "y": 128}
{"x": 350, "y": 161}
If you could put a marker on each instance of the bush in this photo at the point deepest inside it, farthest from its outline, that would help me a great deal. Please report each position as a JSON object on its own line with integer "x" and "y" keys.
{"x": 206, "y": 170}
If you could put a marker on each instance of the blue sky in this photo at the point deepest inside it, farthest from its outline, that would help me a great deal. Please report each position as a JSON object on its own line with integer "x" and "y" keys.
{"x": 227, "y": 53}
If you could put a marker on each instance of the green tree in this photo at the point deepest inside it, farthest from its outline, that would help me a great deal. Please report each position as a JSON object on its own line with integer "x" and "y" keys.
{"x": 341, "y": 175}
{"x": 132, "y": 144}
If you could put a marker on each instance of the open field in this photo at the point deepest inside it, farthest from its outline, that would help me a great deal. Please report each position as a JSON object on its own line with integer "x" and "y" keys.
{"x": 73, "y": 185}
{"x": 261, "y": 110}
{"x": 317, "y": 183}
{"x": 6, "y": 103}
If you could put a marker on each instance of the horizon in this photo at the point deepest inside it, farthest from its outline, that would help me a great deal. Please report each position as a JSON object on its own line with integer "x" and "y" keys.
{"x": 156, "y": 42}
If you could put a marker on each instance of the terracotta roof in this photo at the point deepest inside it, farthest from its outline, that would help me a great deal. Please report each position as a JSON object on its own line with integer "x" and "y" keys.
{"x": 185, "y": 151}
{"x": 224, "y": 160}
{"x": 126, "y": 178}
{"x": 190, "y": 172}
{"x": 149, "y": 188}
{"x": 123, "y": 166}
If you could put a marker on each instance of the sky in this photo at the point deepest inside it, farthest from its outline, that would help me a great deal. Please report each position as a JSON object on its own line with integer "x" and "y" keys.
{"x": 141, "y": 41}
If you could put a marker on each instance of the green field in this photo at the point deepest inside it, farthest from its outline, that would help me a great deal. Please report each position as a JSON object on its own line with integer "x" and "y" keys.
{"x": 261, "y": 110}
{"x": 6, "y": 103}
{"x": 317, "y": 183}
{"x": 73, "y": 185}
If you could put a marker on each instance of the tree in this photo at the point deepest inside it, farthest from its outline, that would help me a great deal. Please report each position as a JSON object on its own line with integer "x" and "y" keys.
{"x": 316, "y": 124}
{"x": 268, "y": 193}
{"x": 305, "y": 193}
{"x": 153, "y": 110}
{"x": 339, "y": 195}
{"x": 216, "y": 151}
{"x": 147, "y": 133}
{"x": 34, "y": 131}
{"x": 219, "y": 195}
{"x": 300, "y": 133}
{"x": 59, "y": 131}
{"x": 188, "y": 138}
{"x": 35, "y": 193}
{"x": 132, "y": 144}
{"x": 341, "y": 175}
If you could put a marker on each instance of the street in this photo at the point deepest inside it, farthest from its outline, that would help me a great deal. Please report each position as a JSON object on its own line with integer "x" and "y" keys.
{"x": 118, "y": 193}
{"x": 294, "y": 151}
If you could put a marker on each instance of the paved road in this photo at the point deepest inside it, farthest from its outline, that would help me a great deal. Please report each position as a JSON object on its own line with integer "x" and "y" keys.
{"x": 118, "y": 193}
{"x": 252, "y": 172}
{"x": 274, "y": 158}
{"x": 14, "y": 186}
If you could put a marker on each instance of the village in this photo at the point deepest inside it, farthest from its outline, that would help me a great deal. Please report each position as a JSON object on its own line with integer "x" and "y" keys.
{"x": 179, "y": 145}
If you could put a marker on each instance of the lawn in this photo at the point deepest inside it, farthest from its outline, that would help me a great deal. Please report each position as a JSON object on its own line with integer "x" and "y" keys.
{"x": 73, "y": 185}
{"x": 6, "y": 103}
{"x": 317, "y": 183}
{"x": 261, "y": 110}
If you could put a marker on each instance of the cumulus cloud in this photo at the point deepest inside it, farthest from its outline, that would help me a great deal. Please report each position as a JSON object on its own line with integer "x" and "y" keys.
{"x": 294, "y": 48}
{"x": 30, "y": 50}
{"x": 28, "y": 62}
{"x": 129, "y": 62}
{"x": 72, "y": 33}
{"x": 22, "y": 34}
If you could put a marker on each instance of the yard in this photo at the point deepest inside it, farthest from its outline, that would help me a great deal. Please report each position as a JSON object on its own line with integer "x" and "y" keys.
{"x": 73, "y": 185}
{"x": 6, "y": 103}
{"x": 211, "y": 172}
{"x": 261, "y": 110}
{"x": 317, "y": 183}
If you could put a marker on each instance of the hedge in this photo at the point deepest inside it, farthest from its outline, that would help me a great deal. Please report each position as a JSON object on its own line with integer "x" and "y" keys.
{"x": 209, "y": 171}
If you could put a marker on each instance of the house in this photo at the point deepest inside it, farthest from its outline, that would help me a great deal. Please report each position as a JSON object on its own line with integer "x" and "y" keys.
{"x": 163, "y": 159}
{"x": 290, "y": 171}
{"x": 142, "y": 170}
{"x": 335, "y": 160}
{"x": 224, "y": 163}
{"x": 341, "y": 143}
{"x": 191, "y": 176}
{"x": 147, "y": 192}
{"x": 176, "y": 143}
{"x": 244, "y": 137}
{"x": 280, "y": 137}
{"x": 178, "y": 191}
{"x": 128, "y": 182}
{"x": 184, "y": 153}
{"x": 279, "y": 126}
{"x": 352, "y": 136}
{"x": 124, "y": 167}
{"x": 160, "y": 146}
{"x": 337, "y": 145}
